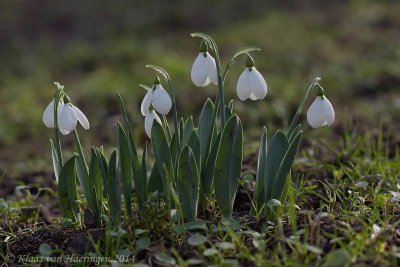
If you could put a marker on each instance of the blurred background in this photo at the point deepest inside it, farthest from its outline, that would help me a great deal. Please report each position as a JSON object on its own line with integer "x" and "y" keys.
{"x": 96, "y": 48}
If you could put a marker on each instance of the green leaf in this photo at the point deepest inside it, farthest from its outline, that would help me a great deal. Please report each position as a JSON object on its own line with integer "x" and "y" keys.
{"x": 125, "y": 169}
{"x": 284, "y": 168}
{"x": 207, "y": 177}
{"x": 161, "y": 71}
{"x": 225, "y": 245}
{"x": 187, "y": 130}
{"x": 194, "y": 144}
{"x": 228, "y": 165}
{"x": 143, "y": 243}
{"x": 67, "y": 196}
{"x": 259, "y": 193}
{"x": 196, "y": 225}
{"x": 45, "y": 250}
{"x": 155, "y": 183}
{"x": 133, "y": 156}
{"x": 95, "y": 183}
{"x": 56, "y": 161}
{"x": 188, "y": 183}
{"x": 103, "y": 170}
{"x": 141, "y": 188}
{"x": 276, "y": 152}
{"x": 114, "y": 190}
{"x": 81, "y": 167}
{"x": 162, "y": 155}
{"x": 206, "y": 127}
{"x": 294, "y": 133}
{"x": 196, "y": 239}
{"x": 166, "y": 259}
{"x": 210, "y": 252}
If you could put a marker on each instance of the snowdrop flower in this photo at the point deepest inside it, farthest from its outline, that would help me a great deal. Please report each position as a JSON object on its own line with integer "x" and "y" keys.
{"x": 162, "y": 102}
{"x": 321, "y": 112}
{"x": 158, "y": 97}
{"x": 69, "y": 116}
{"x": 204, "y": 69}
{"x": 251, "y": 83}
{"x": 149, "y": 120}
{"x": 48, "y": 114}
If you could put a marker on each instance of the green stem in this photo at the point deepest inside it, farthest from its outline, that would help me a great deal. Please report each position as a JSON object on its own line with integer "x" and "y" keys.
{"x": 57, "y": 143}
{"x": 169, "y": 136}
{"x": 79, "y": 147}
{"x": 220, "y": 91}
{"x": 301, "y": 106}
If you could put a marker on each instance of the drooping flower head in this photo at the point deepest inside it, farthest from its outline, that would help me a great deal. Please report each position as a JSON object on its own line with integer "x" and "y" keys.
{"x": 68, "y": 115}
{"x": 251, "y": 83}
{"x": 321, "y": 112}
{"x": 204, "y": 69}
{"x": 157, "y": 97}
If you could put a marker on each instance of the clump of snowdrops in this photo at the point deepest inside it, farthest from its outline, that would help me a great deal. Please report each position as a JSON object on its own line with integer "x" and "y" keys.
{"x": 194, "y": 164}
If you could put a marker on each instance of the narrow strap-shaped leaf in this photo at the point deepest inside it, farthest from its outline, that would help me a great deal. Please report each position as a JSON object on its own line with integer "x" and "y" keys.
{"x": 95, "y": 182}
{"x": 207, "y": 176}
{"x": 276, "y": 152}
{"x": 259, "y": 193}
{"x": 67, "y": 196}
{"x": 141, "y": 187}
{"x": 228, "y": 165}
{"x": 187, "y": 130}
{"x": 194, "y": 144}
{"x": 285, "y": 166}
{"x": 125, "y": 169}
{"x": 103, "y": 170}
{"x": 96, "y": 208}
{"x": 294, "y": 133}
{"x": 162, "y": 155}
{"x": 81, "y": 167}
{"x": 206, "y": 128}
{"x": 155, "y": 183}
{"x": 188, "y": 183}
{"x": 114, "y": 190}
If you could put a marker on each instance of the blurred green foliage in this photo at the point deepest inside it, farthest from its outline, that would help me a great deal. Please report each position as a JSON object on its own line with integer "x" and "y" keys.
{"x": 97, "y": 47}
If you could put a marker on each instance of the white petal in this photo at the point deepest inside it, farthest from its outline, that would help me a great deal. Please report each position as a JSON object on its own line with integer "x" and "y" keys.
{"x": 81, "y": 118}
{"x": 64, "y": 132}
{"x": 67, "y": 120}
{"x": 243, "y": 89}
{"x": 48, "y": 115}
{"x": 212, "y": 72}
{"x": 257, "y": 83}
{"x": 148, "y": 122}
{"x": 329, "y": 111}
{"x": 144, "y": 107}
{"x": 316, "y": 115}
{"x": 200, "y": 70}
{"x": 161, "y": 100}
{"x": 253, "y": 97}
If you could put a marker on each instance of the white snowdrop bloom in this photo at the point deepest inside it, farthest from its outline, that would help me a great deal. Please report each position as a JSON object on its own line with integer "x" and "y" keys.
{"x": 148, "y": 122}
{"x": 48, "y": 114}
{"x": 321, "y": 112}
{"x": 204, "y": 70}
{"x": 162, "y": 102}
{"x": 146, "y": 102}
{"x": 251, "y": 83}
{"x": 68, "y": 119}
